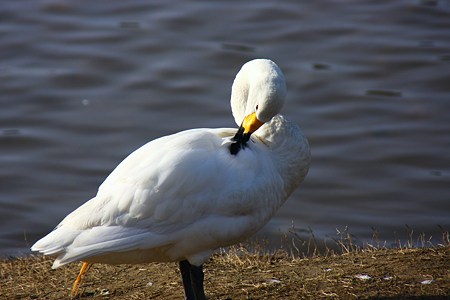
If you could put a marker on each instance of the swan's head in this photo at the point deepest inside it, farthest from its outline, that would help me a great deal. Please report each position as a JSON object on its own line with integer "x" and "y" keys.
{"x": 257, "y": 95}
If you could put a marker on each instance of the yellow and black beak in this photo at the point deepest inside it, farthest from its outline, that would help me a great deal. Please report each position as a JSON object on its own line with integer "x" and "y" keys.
{"x": 248, "y": 126}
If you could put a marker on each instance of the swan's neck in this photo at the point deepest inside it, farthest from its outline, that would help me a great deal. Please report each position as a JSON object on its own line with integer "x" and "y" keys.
{"x": 290, "y": 150}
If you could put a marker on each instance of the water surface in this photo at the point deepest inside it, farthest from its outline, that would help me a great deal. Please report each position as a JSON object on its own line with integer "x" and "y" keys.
{"x": 82, "y": 84}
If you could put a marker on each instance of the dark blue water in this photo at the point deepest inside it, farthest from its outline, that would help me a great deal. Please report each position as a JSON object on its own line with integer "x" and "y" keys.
{"x": 84, "y": 83}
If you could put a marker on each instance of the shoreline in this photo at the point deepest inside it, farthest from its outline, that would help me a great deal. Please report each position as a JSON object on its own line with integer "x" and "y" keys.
{"x": 418, "y": 273}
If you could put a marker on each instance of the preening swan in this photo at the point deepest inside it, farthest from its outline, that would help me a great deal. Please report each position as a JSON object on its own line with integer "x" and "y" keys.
{"x": 180, "y": 197}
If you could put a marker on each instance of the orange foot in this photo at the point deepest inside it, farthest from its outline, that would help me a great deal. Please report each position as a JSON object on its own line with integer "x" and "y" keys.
{"x": 76, "y": 284}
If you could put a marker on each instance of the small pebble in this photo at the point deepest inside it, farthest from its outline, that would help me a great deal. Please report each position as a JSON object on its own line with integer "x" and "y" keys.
{"x": 104, "y": 292}
{"x": 363, "y": 276}
{"x": 428, "y": 281}
{"x": 273, "y": 280}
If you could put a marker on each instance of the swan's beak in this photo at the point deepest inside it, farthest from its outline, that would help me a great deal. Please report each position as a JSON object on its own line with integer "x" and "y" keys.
{"x": 248, "y": 126}
{"x": 251, "y": 124}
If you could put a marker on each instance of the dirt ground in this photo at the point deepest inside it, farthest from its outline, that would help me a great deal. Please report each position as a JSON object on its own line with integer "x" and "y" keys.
{"x": 422, "y": 273}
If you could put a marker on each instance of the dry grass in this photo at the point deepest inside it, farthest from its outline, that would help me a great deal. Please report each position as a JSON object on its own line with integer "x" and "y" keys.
{"x": 251, "y": 272}
{"x": 303, "y": 243}
{"x": 386, "y": 273}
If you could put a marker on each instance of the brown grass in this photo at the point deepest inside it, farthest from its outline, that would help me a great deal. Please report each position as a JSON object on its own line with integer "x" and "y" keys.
{"x": 240, "y": 273}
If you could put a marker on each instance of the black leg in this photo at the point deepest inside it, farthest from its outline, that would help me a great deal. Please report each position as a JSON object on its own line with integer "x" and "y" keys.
{"x": 192, "y": 281}
{"x": 185, "y": 269}
{"x": 197, "y": 282}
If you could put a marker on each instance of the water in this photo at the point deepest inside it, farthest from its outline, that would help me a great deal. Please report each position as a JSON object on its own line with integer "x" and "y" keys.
{"x": 82, "y": 84}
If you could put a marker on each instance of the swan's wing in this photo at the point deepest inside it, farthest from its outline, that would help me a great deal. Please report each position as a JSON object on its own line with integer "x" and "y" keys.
{"x": 170, "y": 191}
{"x": 72, "y": 245}
{"x": 170, "y": 181}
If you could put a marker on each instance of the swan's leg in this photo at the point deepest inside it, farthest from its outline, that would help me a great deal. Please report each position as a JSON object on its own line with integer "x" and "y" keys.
{"x": 197, "y": 282}
{"x": 185, "y": 270}
{"x": 192, "y": 281}
{"x": 76, "y": 284}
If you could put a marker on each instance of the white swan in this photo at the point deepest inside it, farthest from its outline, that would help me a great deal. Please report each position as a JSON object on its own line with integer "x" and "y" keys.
{"x": 180, "y": 197}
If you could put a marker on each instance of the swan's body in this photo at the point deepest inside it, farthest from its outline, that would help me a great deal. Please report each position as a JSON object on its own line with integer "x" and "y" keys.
{"x": 182, "y": 196}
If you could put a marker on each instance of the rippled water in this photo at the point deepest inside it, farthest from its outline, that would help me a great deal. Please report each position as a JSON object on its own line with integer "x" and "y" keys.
{"x": 82, "y": 84}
